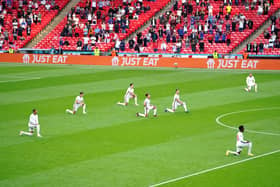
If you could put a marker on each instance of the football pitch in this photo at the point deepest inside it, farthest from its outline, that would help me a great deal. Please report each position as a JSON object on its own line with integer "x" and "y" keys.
{"x": 110, "y": 146}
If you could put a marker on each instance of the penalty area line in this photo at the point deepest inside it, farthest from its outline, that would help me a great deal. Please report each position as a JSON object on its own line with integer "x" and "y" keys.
{"x": 213, "y": 169}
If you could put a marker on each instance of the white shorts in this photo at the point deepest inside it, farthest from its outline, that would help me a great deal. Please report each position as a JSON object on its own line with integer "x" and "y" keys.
{"x": 251, "y": 85}
{"x": 240, "y": 146}
{"x": 127, "y": 97}
{"x": 76, "y": 106}
{"x": 176, "y": 104}
{"x": 147, "y": 109}
{"x": 31, "y": 127}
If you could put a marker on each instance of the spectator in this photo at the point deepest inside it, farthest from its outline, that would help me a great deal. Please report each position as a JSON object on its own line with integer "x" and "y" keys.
{"x": 228, "y": 38}
{"x": 117, "y": 45}
{"x": 217, "y": 37}
{"x": 250, "y": 24}
{"x": 79, "y": 44}
{"x": 163, "y": 46}
{"x": 122, "y": 45}
{"x": 187, "y": 43}
{"x": 224, "y": 37}
{"x": 249, "y": 47}
{"x": 266, "y": 34}
{"x": 131, "y": 43}
{"x": 193, "y": 45}
{"x": 228, "y": 9}
{"x": 260, "y": 10}
{"x": 215, "y": 55}
{"x": 201, "y": 46}
{"x": 52, "y": 50}
{"x": 96, "y": 51}
{"x": 178, "y": 46}
{"x": 255, "y": 48}
{"x": 210, "y": 38}
{"x": 261, "y": 47}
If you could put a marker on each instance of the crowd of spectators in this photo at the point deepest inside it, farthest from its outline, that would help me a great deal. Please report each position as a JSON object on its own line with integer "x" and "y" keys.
{"x": 102, "y": 21}
{"x": 17, "y": 18}
{"x": 268, "y": 40}
{"x": 191, "y": 25}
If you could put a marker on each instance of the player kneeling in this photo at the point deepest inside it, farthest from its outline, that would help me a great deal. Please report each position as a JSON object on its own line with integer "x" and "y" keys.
{"x": 250, "y": 81}
{"x": 129, "y": 95}
{"x": 177, "y": 102}
{"x": 241, "y": 143}
{"x": 79, "y": 101}
{"x": 147, "y": 107}
{"x": 32, "y": 124}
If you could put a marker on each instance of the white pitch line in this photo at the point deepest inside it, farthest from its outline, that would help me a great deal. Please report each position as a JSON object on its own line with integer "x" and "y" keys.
{"x": 18, "y": 80}
{"x": 248, "y": 110}
{"x": 215, "y": 168}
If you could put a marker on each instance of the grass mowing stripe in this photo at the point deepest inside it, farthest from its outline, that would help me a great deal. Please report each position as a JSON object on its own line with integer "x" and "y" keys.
{"x": 212, "y": 169}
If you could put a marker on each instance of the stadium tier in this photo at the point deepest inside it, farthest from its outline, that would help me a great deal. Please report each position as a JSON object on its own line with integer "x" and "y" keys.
{"x": 192, "y": 27}
{"x": 100, "y": 23}
{"x": 267, "y": 43}
{"x": 21, "y": 21}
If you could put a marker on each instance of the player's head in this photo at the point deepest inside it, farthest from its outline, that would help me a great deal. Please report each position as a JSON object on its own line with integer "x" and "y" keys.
{"x": 250, "y": 74}
{"x": 34, "y": 111}
{"x": 131, "y": 85}
{"x": 241, "y": 128}
{"x": 148, "y": 95}
{"x": 177, "y": 91}
{"x": 81, "y": 93}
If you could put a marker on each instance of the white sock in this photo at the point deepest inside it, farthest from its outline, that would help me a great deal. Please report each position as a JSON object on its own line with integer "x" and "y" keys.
{"x": 142, "y": 115}
{"x": 38, "y": 130}
{"x": 234, "y": 152}
{"x": 135, "y": 99}
{"x": 69, "y": 111}
{"x": 185, "y": 106}
{"x": 119, "y": 103}
{"x": 256, "y": 88}
{"x": 250, "y": 148}
{"x": 169, "y": 110}
{"x": 84, "y": 108}
{"x": 155, "y": 111}
{"x": 27, "y": 133}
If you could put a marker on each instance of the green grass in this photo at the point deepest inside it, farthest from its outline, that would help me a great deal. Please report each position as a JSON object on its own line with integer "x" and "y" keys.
{"x": 110, "y": 146}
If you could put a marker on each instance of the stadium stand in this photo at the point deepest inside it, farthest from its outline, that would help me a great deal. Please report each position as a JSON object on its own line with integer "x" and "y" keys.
{"x": 100, "y": 23}
{"x": 22, "y": 20}
{"x": 202, "y": 27}
{"x": 266, "y": 43}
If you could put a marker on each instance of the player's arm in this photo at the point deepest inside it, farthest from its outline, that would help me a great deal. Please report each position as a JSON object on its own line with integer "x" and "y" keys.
{"x": 145, "y": 104}
{"x": 179, "y": 101}
{"x": 247, "y": 81}
{"x": 132, "y": 94}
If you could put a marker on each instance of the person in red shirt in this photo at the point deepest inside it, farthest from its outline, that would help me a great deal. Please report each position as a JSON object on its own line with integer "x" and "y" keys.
{"x": 228, "y": 37}
{"x": 210, "y": 38}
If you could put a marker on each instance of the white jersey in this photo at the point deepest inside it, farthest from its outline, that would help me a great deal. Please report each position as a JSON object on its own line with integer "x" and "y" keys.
{"x": 129, "y": 91}
{"x": 33, "y": 120}
{"x": 176, "y": 98}
{"x": 240, "y": 138}
{"x": 250, "y": 81}
{"x": 79, "y": 100}
{"x": 148, "y": 103}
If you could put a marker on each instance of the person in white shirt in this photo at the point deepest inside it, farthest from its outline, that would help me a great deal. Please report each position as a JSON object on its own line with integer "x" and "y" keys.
{"x": 79, "y": 101}
{"x": 250, "y": 81}
{"x": 241, "y": 143}
{"x": 32, "y": 124}
{"x": 129, "y": 94}
{"x": 177, "y": 102}
{"x": 147, "y": 107}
